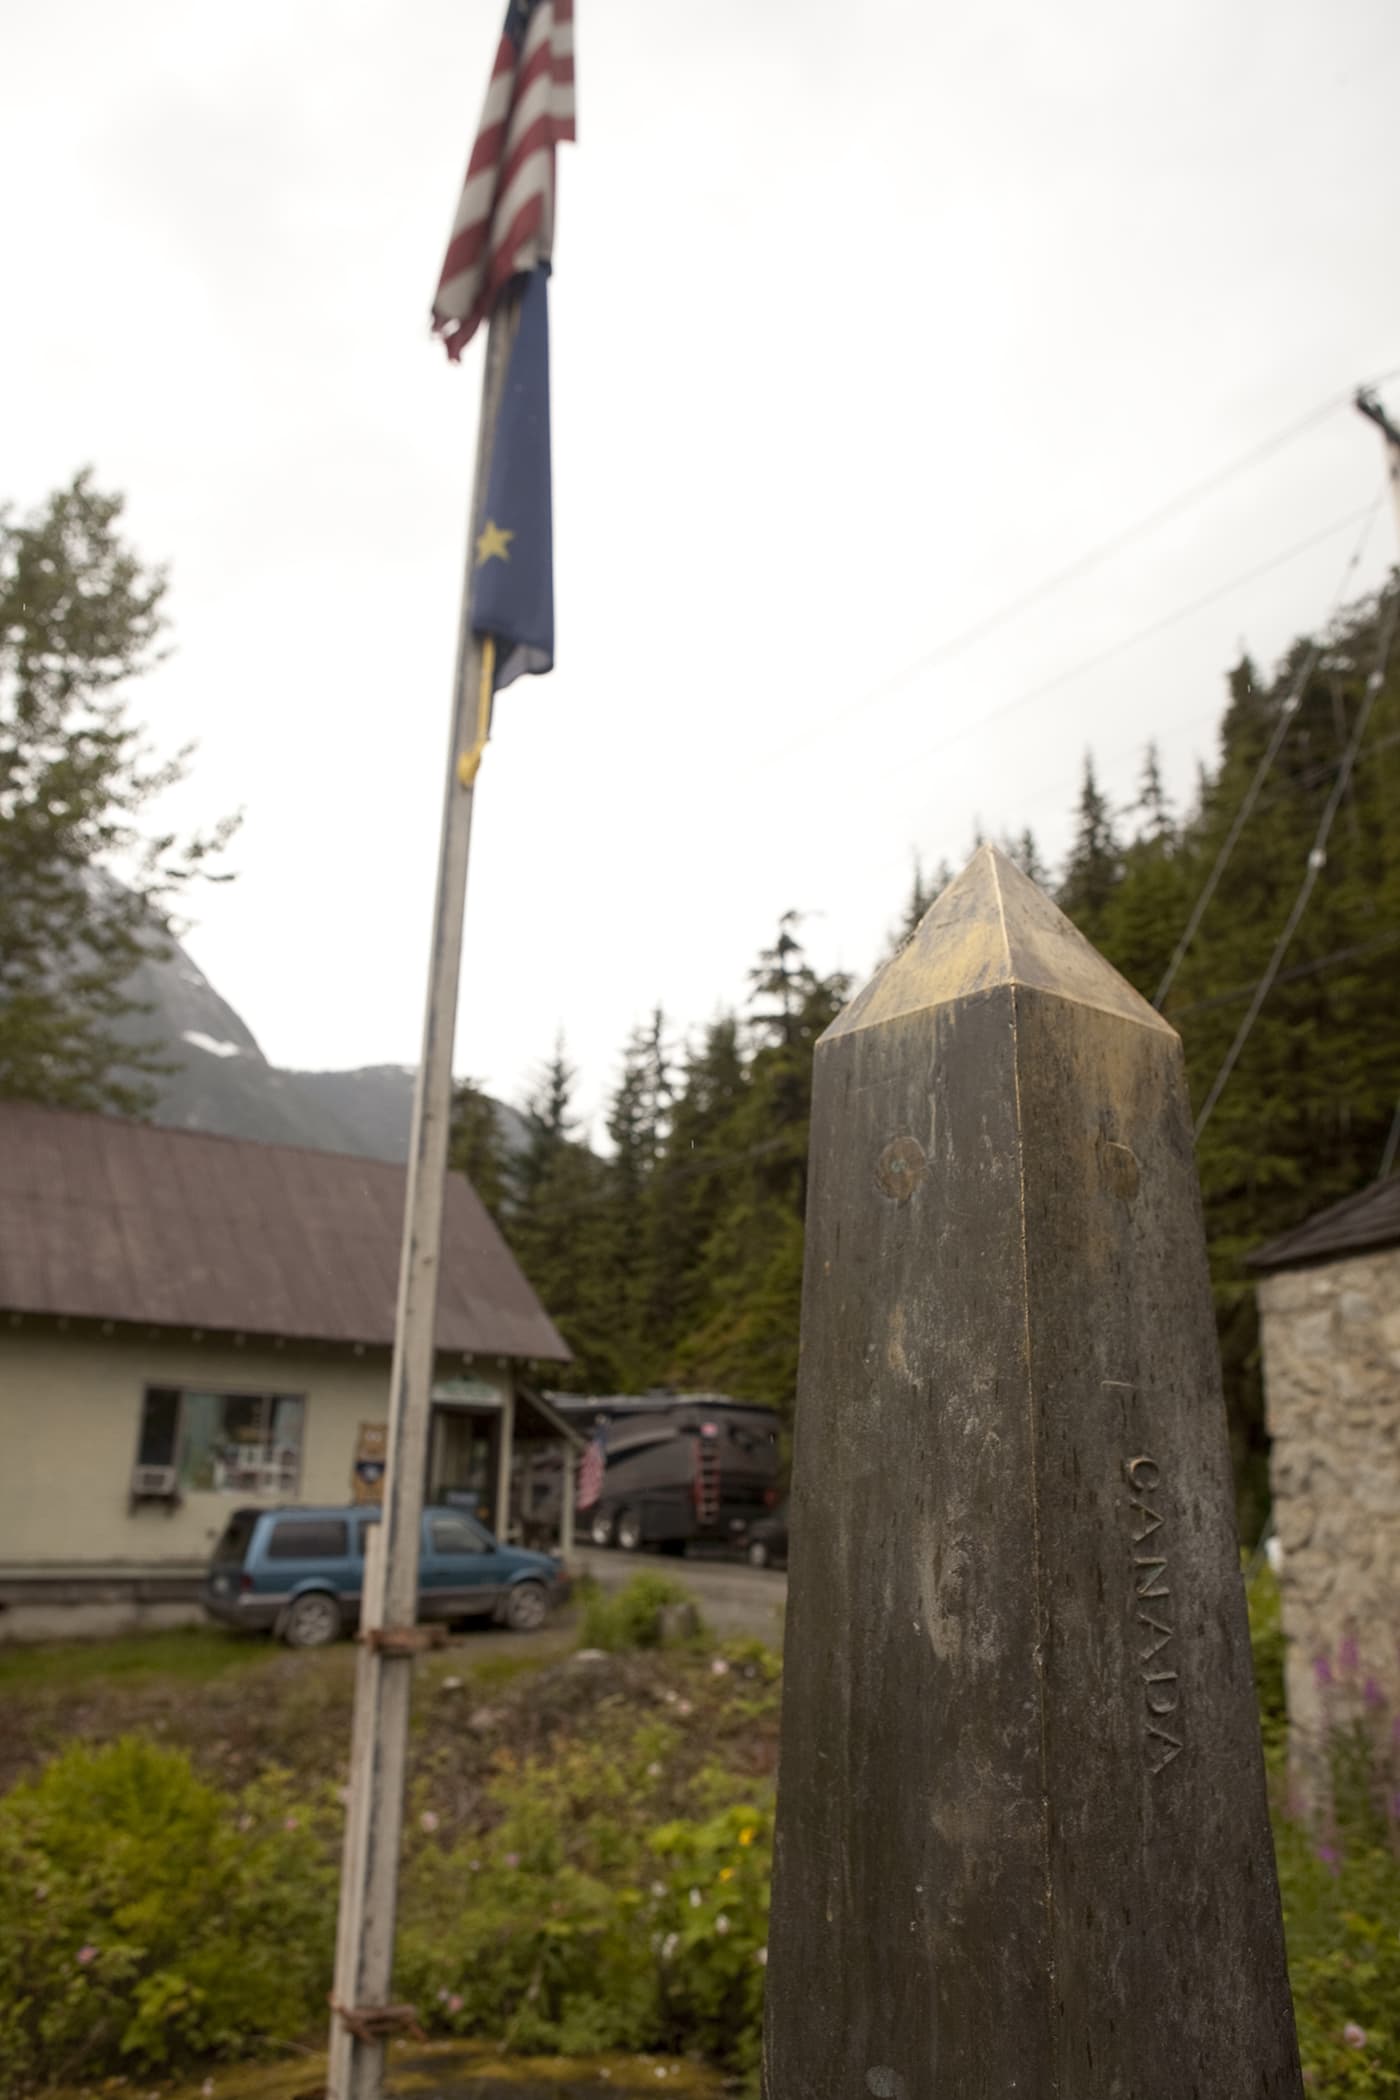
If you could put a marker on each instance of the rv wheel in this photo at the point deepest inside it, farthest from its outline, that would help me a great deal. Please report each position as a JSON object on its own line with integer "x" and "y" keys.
{"x": 629, "y": 1531}
{"x": 601, "y": 1529}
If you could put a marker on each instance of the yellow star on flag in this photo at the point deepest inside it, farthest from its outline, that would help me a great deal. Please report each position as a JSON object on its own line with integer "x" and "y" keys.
{"x": 493, "y": 540}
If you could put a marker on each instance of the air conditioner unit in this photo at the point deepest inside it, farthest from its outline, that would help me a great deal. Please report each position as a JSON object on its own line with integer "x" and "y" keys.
{"x": 153, "y": 1483}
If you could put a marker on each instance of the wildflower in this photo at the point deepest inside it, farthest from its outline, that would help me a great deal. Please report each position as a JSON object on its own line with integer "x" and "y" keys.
{"x": 658, "y": 1888}
{"x": 429, "y": 1820}
{"x": 442, "y": 1994}
{"x": 512, "y": 1859}
{"x": 455, "y": 2003}
{"x": 761, "y": 1957}
{"x": 1347, "y": 1655}
{"x": 40, "y": 1893}
{"x": 695, "y": 1899}
{"x": 684, "y": 1707}
{"x": 1372, "y": 1693}
{"x": 207, "y": 2088}
{"x": 473, "y": 1866}
{"x": 746, "y": 1835}
{"x": 1330, "y": 1857}
{"x": 1354, "y": 2036}
{"x": 719, "y": 1667}
{"x": 721, "y": 1923}
{"x": 1322, "y": 1669}
{"x": 726, "y": 1873}
{"x": 86, "y": 1955}
{"x": 653, "y": 1770}
{"x": 661, "y": 2070}
{"x": 291, "y": 1822}
{"x": 669, "y": 1945}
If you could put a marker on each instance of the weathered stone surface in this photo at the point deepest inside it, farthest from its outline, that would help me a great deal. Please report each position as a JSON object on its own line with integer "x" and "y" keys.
{"x": 1331, "y": 1343}
{"x": 1023, "y": 1845}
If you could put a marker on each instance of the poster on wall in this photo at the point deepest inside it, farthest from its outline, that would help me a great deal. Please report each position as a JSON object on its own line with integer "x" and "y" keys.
{"x": 371, "y": 1455}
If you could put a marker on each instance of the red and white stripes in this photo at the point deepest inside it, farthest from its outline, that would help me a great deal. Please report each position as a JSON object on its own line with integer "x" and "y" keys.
{"x": 505, "y": 217}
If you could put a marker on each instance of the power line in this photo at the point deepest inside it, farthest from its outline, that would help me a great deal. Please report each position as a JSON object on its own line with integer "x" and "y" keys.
{"x": 1083, "y": 565}
{"x": 1360, "y": 951}
{"x": 1132, "y": 641}
{"x": 1317, "y": 860}
{"x": 1284, "y": 723}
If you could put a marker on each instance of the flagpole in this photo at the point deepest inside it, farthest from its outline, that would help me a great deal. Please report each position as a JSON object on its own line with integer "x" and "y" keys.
{"x": 362, "y": 2018}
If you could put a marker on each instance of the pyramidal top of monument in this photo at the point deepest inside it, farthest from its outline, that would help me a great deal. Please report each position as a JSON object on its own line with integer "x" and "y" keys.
{"x": 992, "y": 927}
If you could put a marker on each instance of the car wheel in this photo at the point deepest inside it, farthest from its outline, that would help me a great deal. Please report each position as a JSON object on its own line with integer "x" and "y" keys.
{"x": 758, "y": 1554}
{"x": 312, "y": 1621}
{"x": 629, "y": 1531}
{"x": 526, "y": 1606}
{"x": 601, "y": 1528}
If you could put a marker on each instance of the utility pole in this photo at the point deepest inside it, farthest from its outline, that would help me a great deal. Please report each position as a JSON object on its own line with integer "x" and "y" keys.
{"x": 1367, "y": 405}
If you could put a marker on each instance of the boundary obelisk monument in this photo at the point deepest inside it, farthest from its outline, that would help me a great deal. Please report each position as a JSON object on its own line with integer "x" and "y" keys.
{"x": 1023, "y": 1844}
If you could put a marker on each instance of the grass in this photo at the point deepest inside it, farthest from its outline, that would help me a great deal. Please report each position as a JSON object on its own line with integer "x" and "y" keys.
{"x": 192, "y": 1655}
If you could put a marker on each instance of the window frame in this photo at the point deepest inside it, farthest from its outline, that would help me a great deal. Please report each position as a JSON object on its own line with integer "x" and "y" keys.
{"x": 215, "y": 1390}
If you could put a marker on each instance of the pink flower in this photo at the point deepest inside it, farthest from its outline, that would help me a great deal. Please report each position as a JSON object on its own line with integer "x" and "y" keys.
{"x": 291, "y": 1823}
{"x": 86, "y": 1955}
{"x": 1354, "y": 2036}
{"x": 512, "y": 1859}
{"x": 454, "y": 2003}
{"x": 429, "y": 1820}
{"x": 719, "y": 1667}
{"x": 684, "y": 1707}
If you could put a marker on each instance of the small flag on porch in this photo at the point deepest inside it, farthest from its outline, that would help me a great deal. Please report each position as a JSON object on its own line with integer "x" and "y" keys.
{"x": 505, "y": 217}
{"x": 590, "y": 1475}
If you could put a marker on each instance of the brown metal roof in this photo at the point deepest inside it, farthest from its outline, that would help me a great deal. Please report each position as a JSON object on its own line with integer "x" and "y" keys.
{"x": 1371, "y": 1219}
{"x": 101, "y": 1219}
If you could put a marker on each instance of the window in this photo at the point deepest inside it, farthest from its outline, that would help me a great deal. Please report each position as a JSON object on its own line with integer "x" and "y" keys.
{"x": 309, "y": 1538}
{"x": 238, "y": 1535}
{"x": 456, "y": 1535}
{"x": 230, "y": 1443}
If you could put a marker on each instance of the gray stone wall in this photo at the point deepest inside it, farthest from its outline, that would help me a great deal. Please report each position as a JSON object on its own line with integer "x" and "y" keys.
{"x": 1331, "y": 1343}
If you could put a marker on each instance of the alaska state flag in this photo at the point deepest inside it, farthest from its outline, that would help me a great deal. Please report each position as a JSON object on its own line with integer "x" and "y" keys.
{"x": 512, "y": 593}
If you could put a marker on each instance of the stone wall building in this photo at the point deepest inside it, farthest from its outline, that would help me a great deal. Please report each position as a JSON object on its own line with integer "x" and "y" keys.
{"x": 1329, "y": 1302}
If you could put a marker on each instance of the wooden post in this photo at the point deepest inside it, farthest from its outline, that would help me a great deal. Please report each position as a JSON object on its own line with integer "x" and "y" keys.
{"x": 362, "y": 2018}
{"x": 504, "y": 1452}
{"x": 1023, "y": 1844}
{"x": 568, "y": 1491}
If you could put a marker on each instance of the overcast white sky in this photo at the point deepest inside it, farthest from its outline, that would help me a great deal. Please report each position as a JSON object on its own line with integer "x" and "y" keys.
{"x": 865, "y": 321}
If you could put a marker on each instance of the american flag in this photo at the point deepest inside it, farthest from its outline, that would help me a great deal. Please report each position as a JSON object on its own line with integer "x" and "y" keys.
{"x": 505, "y": 219}
{"x": 590, "y": 1475}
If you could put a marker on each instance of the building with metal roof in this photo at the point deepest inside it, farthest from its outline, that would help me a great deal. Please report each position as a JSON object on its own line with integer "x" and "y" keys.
{"x": 187, "y": 1319}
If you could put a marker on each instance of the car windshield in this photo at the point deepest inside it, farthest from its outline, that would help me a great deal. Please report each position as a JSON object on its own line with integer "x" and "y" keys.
{"x": 234, "y": 1544}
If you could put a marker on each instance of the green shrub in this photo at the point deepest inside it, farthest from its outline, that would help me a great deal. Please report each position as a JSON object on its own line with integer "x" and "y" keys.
{"x": 148, "y": 1920}
{"x": 583, "y": 1921}
{"x": 630, "y": 1617}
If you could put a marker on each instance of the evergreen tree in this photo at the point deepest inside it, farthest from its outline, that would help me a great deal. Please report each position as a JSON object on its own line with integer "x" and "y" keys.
{"x": 1094, "y": 864}
{"x": 477, "y": 1149}
{"x": 556, "y": 1229}
{"x": 79, "y": 618}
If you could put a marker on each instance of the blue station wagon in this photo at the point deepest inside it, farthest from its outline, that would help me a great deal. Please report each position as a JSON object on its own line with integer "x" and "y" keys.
{"x": 299, "y": 1573}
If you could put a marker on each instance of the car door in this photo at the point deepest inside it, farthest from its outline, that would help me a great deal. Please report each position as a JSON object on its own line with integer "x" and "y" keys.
{"x": 460, "y": 1576}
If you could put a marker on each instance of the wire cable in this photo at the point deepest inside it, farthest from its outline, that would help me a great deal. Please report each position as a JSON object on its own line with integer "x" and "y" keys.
{"x": 1083, "y": 565}
{"x": 1317, "y": 861}
{"x": 1292, "y": 703}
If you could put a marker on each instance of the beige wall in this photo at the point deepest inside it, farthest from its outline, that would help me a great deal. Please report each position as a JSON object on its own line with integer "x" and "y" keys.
{"x": 1331, "y": 1344}
{"x": 70, "y": 1414}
